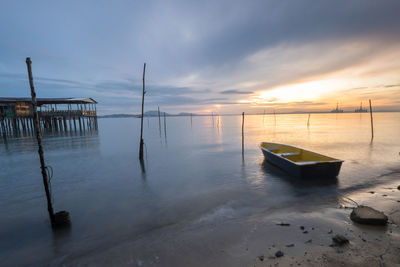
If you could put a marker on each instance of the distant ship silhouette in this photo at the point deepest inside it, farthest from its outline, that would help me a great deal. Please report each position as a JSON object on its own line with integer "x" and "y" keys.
{"x": 337, "y": 110}
{"x": 360, "y": 110}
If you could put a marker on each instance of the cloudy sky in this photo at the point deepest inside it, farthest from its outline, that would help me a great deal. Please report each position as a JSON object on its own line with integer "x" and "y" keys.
{"x": 205, "y": 56}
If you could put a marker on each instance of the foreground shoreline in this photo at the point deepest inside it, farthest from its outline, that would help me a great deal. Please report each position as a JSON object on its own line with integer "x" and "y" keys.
{"x": 304, "y": 236}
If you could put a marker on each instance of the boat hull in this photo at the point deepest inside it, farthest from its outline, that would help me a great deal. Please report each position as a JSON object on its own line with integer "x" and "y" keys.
{"x": 325, "y": 170}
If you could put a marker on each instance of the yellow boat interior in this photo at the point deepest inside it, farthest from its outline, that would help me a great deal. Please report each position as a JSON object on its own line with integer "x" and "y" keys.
{"x": 295, "y": 154}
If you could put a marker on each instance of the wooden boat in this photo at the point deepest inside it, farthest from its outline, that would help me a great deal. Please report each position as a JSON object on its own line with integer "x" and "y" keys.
{"x": 300, "y": 162}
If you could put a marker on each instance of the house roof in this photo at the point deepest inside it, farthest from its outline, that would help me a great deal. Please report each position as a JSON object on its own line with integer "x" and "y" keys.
{"x": 43, "y": 101}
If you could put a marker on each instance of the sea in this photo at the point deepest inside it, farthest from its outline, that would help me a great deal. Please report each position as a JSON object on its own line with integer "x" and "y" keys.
{"x": 195, "y": 174}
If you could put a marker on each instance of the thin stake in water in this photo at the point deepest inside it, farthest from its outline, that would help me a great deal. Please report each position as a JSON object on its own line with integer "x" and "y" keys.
{"x": 372, "y": 122}
{"x": 165, "y": 127}
{"x": 141, "y": 118}
{"x": 159, "y": 120}
{"x": 243, "y": 133}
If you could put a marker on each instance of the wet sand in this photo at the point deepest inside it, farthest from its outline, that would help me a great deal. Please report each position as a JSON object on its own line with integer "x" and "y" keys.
{"x": 303, "y": 235}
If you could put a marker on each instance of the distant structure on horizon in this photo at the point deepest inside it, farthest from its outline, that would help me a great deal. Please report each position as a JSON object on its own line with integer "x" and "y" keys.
{"x": 360, "y": 110}
{"x": 337, "y": 110}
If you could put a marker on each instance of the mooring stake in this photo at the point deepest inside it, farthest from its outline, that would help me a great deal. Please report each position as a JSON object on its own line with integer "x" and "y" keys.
{"x": 159, "y": 120}
{"x": 60, "y": 218}
{"x": 243, "y": 133}
{"x": 141, "y": 119}
{"x": 372, "y": 123}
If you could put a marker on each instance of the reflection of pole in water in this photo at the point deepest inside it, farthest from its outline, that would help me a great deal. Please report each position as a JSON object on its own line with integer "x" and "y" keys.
{"x": 218, "y": 124}
{"x": 308, "y": 121}
{"x": 142, "y": 166}
{"x": 212, "y": 118}
{"x": 274, "y": 117}
{"x": 191, "y": 119}
{"x": 264, "y": 117}
{"x": 165, "y": 127}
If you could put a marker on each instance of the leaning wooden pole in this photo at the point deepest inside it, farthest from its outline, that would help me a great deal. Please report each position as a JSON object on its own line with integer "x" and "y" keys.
{"x": 141, "y": 118}
{"x": 39, "y": 141}
{"x": 372, "y": 122}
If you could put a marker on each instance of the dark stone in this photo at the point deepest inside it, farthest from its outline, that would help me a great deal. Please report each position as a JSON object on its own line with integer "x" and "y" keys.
{"x": 308, "y": 241}
{"x": 372, "y": 192}
{"x": 305, "y": 232}
{"x": 368, "y": 215}
{"x": 62, "y": 219}
{"x": 302, "y": 227}
{"x": 340, "y": 240}
{"x": 279, "y": 254}
{"x": 283, "y": 224}
{"x": 330, "y": 232}
{"x": 261, "y": 257}
{"x": 398, "y": 188}
{"x": 290, "y": 245}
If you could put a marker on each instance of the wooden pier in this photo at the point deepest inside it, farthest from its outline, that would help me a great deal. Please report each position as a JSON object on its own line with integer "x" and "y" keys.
{"x": 55, "y": 115}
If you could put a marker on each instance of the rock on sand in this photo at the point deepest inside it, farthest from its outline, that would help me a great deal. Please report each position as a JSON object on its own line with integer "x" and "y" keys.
{"x": 368, "y": 215}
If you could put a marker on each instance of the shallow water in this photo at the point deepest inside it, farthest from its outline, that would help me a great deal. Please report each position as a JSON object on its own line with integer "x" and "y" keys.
{"x": 194, "y": 173}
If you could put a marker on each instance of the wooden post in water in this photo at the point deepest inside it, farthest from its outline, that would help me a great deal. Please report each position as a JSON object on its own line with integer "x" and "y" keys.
{"x": 141, "y": 119}
{"x": 243, "y": 133}
{"x": 165, "y": 126}
{"x": 39, "y": 141}
{"x": 159, "y": 120}
{"x": 191, "y": 119}
{"x": 372, "y": 122}
{"x": 308, "y": 121}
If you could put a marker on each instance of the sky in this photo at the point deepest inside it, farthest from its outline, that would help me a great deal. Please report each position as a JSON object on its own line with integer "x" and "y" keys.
{"x": 205, "y": 56}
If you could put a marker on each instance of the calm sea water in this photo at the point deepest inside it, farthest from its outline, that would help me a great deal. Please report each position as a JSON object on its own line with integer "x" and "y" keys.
{"x": 194, "y": 172}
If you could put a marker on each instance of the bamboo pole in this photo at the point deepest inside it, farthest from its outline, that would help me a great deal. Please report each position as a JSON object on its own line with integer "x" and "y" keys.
{"x": 39, "y": 141}
{"x": 372, "y": 122}
{"x": 141, "y": 119}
